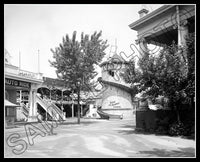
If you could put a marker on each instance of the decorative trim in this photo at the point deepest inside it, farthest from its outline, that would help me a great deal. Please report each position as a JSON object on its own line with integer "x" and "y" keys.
{"x": 150, "y": 16}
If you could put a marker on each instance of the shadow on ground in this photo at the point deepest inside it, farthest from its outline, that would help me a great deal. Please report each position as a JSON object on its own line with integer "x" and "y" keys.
{"x": 184, "y": 152}
{"x": 133, "y": 130}
{"x": 76, "y": 123}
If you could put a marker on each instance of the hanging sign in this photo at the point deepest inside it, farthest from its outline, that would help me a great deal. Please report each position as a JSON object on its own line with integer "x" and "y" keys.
{"x": 17, "y": 83}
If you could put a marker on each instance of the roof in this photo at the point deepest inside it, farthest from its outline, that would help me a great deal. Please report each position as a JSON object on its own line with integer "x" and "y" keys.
{"x": 114, "y": 59}
{"x": 126, "y": 88}
{"x": 117, "y": 58}
{"x": 135, "y": 25}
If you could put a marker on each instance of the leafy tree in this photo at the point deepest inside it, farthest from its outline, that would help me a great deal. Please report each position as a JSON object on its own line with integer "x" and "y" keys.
{"x": 171, "y": 73}
{"x": 75, "y": 61}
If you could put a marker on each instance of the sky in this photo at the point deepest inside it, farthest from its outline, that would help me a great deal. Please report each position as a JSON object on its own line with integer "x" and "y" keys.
{"x": 30, "y": 29}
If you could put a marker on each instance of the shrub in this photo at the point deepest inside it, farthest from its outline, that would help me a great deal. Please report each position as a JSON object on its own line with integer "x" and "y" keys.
{"x": 177, "y": 129}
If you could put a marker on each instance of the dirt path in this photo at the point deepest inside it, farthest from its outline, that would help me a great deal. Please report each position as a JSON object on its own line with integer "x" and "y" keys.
{"x": 102, "y": 138}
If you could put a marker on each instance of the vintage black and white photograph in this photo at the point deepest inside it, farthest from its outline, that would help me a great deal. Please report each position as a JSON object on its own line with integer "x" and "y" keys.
{"x": 99, "y": 80}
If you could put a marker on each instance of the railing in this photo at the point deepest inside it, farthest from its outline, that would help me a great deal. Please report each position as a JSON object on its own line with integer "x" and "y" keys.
{"x": 25, "y": 109}
{"x": 49, "y": 103}
{"x": 53, "y": 107}
{"x": 60, "y": 113}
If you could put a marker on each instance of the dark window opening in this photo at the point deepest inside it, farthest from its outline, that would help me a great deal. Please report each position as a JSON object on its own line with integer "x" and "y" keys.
{"x": 110, "y": 72}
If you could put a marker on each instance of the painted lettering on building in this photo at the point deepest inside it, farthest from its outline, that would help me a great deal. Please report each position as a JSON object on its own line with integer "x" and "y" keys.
{"x": 27, "y": 74}
{"x": 114, "y": 104}
{"x": 18, "y": 83}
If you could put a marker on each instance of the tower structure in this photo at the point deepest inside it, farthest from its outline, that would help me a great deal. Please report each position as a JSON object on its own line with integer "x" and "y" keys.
{"x": 116, "y": 98}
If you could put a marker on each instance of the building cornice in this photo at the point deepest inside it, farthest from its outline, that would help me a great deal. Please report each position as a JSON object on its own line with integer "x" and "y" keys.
{"x": 11, "y": 66}
{"x": 149, "y": 16}
{"x": 13, "y": 76}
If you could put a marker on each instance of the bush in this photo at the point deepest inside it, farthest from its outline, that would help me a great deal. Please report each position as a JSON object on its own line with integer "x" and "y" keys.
{"x": 177, "y": 129}
{"x": 162, "y": 125}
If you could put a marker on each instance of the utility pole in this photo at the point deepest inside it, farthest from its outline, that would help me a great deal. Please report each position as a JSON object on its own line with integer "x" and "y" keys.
{"x": 38, "y": 61}
{"x": 19, "y": 60}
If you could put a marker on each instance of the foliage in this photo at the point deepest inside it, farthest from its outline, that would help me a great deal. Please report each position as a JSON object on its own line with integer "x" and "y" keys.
{"x": 171, "y": 73}
{"x": 74, "y": 61}
{"x": 190, "y": 88}
{"x": 177, "y": 129}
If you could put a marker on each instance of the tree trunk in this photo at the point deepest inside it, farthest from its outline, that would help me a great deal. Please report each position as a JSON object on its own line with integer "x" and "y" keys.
{"x": 78, "y": 105}
{"x": 177, "y": 112}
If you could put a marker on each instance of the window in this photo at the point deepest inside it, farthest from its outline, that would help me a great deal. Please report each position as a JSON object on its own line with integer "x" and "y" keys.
{"x": 10, "y": 111}
{"x": 110, "y": 72}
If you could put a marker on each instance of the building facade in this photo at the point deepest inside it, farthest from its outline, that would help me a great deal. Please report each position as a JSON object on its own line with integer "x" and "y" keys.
{"x": 21, "y": 88}
{"x": 37, "y": 95}
{"x": 161, "y": 27}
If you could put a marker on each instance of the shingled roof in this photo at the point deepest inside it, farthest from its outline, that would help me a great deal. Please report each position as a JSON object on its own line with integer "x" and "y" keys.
{"x": 114, "y": 59}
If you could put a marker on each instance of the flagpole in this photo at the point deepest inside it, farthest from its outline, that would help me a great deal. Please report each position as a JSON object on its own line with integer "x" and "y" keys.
{"x": 19, "y": 60}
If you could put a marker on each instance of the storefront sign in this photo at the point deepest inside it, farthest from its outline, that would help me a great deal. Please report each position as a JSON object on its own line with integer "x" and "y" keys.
{"x": 18, "y": 83}
{"x": 27, "y": 74}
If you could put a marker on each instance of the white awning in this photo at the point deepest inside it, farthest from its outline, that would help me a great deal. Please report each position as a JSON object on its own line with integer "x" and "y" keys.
{"x": 10, "y": 104}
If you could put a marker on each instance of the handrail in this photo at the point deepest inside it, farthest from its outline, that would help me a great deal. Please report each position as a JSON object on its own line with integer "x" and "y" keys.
{"x": 45, "y": 103}
{"x": 25, "y": 110}
{"x": 60, "y": 113}
{"x": 50, "y": 104}
{"x": 24, "y": 107}
{"x": 56, "y": 108}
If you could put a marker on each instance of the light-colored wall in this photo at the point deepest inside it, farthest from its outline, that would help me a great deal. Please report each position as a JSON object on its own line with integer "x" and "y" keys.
{"x": 116, "y": 98}
{"x": 117, "y": 78}
{"x": 98, "y": 101}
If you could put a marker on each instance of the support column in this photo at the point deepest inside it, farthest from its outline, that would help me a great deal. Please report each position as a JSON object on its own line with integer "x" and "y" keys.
{"x": 34, "y": 103}
{"x": 183, "y": 33}
{"x": 142, "y": 46}
{"x": 182, "y": 28}
{"x": 20, "y": 96}
{"x": 33, "y": 106}
{"x": 30, "y": 103}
